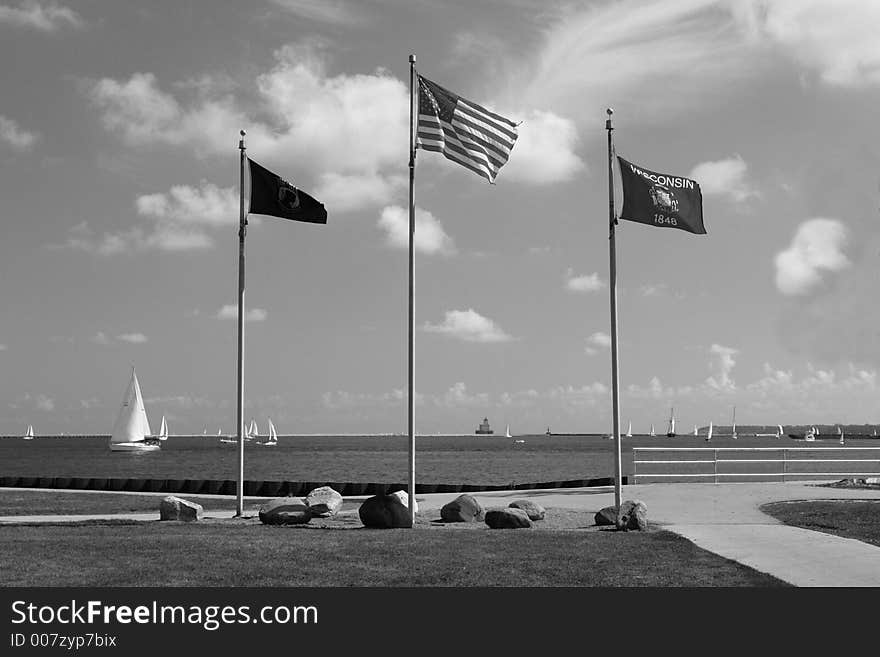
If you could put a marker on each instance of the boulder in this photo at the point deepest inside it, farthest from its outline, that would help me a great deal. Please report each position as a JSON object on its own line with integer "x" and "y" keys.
{"x": 403, "y": 496}
{"x": 533, "y": 510}
{"x": 509, "y": 518}
{"x": 177, "y": 508}
{"x": 633, "y": 514}
{"x": 606, "y": 516}
{"x": 324, "y": 502}
{"x": 384, "y": 512}
{"x": 285, "y": 511}
{"x": 463, "y": 508}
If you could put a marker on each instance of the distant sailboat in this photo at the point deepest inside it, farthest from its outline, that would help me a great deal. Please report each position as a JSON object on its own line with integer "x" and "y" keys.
{"x": 733, "y": 434}
{"x": 810, "y": 436}
{"x": 163, "y": 430}
{"x": 709, "y": 435}
{"x": 629, "y": 431}
{"x": 670, "y": 429}
{"x": 780, "y": 433}
{"x": 272, "y": 440}
{"x": 132, "y": 427}
{"x": 840, "y": 433}
{"x": 29, "y": 434}
{"x": 507, "y": 432}
{"x": 696, "y": 432}
{"x": 252, "y": 431}
{"x": 652, "y": 431}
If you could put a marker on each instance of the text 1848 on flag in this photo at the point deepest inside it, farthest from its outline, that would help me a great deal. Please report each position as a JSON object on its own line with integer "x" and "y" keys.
{"x": 660, "y": 199}
{"x": 272, "y": 195}
{"x": 463, "y": 131}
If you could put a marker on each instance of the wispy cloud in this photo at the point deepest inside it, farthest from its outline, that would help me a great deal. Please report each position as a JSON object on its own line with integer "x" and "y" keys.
{"x": 133, "y": 338}
{"x": 469, "y": 326}
{"x": 586, "y": 283}
{"x": 333, "y": 12}
{"x": 230, "y": 311}
{"x": 722, "y": 366}
{"x": 429, "y": 238}
{"x": 817, "y": 248}
{"x": 16, "y": 136}
{"x": 162, "y": 237}
{"x": 207, "y": 204}
{"x": 37, "y": 16}
{"x": 596, "y": 341}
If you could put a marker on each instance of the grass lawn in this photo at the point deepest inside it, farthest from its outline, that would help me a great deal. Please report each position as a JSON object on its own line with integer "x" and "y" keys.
{"x": 29, "y": 502}
{"x": 858, "y": 519}
{"x": 564, "y": 550}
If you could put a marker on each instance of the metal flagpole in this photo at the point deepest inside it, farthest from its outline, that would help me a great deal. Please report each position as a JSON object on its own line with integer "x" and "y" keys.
{"x": 615, "y": 386}
{"x": 412, "y": 270}
{"x": 242, "y": 231}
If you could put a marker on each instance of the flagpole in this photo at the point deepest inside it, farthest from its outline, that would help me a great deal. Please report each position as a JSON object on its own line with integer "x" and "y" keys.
{"x": 411, "y": 421}
{"x": 242, "y": 231}
{"x": 615, "y": 385}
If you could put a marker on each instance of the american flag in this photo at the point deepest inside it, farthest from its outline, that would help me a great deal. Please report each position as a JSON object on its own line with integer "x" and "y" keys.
{"x": 463, "y": 131}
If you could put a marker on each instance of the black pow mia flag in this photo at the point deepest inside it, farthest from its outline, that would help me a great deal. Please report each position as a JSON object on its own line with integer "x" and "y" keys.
{"x": 272, "y": 195}
{"x": 660, "y": 199}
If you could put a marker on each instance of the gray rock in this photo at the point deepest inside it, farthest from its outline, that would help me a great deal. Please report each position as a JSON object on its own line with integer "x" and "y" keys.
{"x": 463, "y": 508}
{"x": 507, "y": 518}
{"x": 384, "y": 512}
{"x": 403, "y": 496}
{"x": 606, "y": 516}
{"x": 533, "y": 510}
{"x": 324, "y": 502}
{"x": 176, "y": 508}
{"x": 285, "y": 511}
{"x": 633, "y": 514}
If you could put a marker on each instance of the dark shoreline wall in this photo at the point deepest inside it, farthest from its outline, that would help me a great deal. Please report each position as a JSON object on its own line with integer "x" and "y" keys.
{"x": 270, "y": 488}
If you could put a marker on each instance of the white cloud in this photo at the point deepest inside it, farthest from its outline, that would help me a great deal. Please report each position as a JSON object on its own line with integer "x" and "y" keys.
{"x": 14, "y": 135}
{"x": 837, "y": 39}
{"x": 163, "y": 237}
{"x": 722, "y": 366}
{"x": 725, "y": 177}
{"x": 45, "y": 403}
{"x": 346, "y": 193}
{"x": 100, "y": 338}
{"x": 470, "y": 326}
{"x": 544, "y": 150}
{"x": 429, "y": 237}
{"x": 817, "y": 248}
{"x": 342, "y": 400}
{"x": 587, "y": 283}
{"x": 133, "y": 338}
{"x": 230, "y": 311}
{"x": 458, "y": 397}
{"x": 334, "y": 12}
{"x": 48, "y": 18}
{"x": 600, "y": 339}
{"x": 208, "y": 204}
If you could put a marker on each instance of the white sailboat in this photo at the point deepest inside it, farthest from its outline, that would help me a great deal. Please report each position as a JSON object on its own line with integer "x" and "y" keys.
{"x": 252, "y": 430}
{"x": 810, "y": 436}
{"x": 272, "y": 440}
{"x": 696, "y": 431}
{"x": 733, "y": 433}
{"x": 163, "y": 430}
{"x": 709, "y": 435}
{"x": 132, "y": 427}
{"x": 29, "y": 434}
{"x": 507, "y": 432}
{"x": 629, "y": 431}
{"x": 670, "y": 429}
{"x": 840, "y": 433}
{"x": 652, "y": 431}
{"x": 780, "y": 433}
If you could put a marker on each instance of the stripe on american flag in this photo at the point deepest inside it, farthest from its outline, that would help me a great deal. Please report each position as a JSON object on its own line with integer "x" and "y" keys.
{"x": 463, "y": 131}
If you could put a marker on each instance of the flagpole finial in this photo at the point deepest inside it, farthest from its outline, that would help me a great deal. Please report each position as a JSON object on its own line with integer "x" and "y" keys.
{"x": 412, "y": 59}
{"x": 608, "y": 125}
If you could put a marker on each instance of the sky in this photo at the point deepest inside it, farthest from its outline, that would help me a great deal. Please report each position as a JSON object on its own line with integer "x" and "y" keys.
{"x": 119, "y": 203}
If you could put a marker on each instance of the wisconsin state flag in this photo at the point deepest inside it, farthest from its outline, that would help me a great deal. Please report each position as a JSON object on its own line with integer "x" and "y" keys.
{"x": 272, "y": 195}
{"x": 660, "y": 199}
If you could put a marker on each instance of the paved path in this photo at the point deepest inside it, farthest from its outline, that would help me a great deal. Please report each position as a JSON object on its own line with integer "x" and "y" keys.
{"x": 721, "y": 518}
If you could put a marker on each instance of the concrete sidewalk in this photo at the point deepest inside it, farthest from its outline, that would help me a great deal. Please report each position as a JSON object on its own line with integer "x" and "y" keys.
{"x": 722, "y": 518}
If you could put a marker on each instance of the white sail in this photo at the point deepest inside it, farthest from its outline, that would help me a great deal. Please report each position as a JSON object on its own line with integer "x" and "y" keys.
{"x": 696, "y": 431}
{"x": 670, "y": 429}
{"x": 734, "y": 423}
{"x": 273, "y": 435}
{"x": 629, "y": 431}
{"x": 163, "y": 430}
{"x": 652, "y": 431}
{"x": 29, "y": 434}
{"x": 507, "y": 432}
{"x": 132, "y": 425}
{"x": 709, "y": 435}
{"x": 252, "y": 430}
{"x": 779, "y": 434}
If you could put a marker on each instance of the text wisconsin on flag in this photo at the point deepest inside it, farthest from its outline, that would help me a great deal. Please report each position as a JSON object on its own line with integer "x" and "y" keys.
{"x": 463, "y": 131}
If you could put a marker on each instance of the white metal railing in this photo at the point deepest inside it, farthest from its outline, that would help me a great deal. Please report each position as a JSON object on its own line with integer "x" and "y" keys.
{"x": 785, "y": 459}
